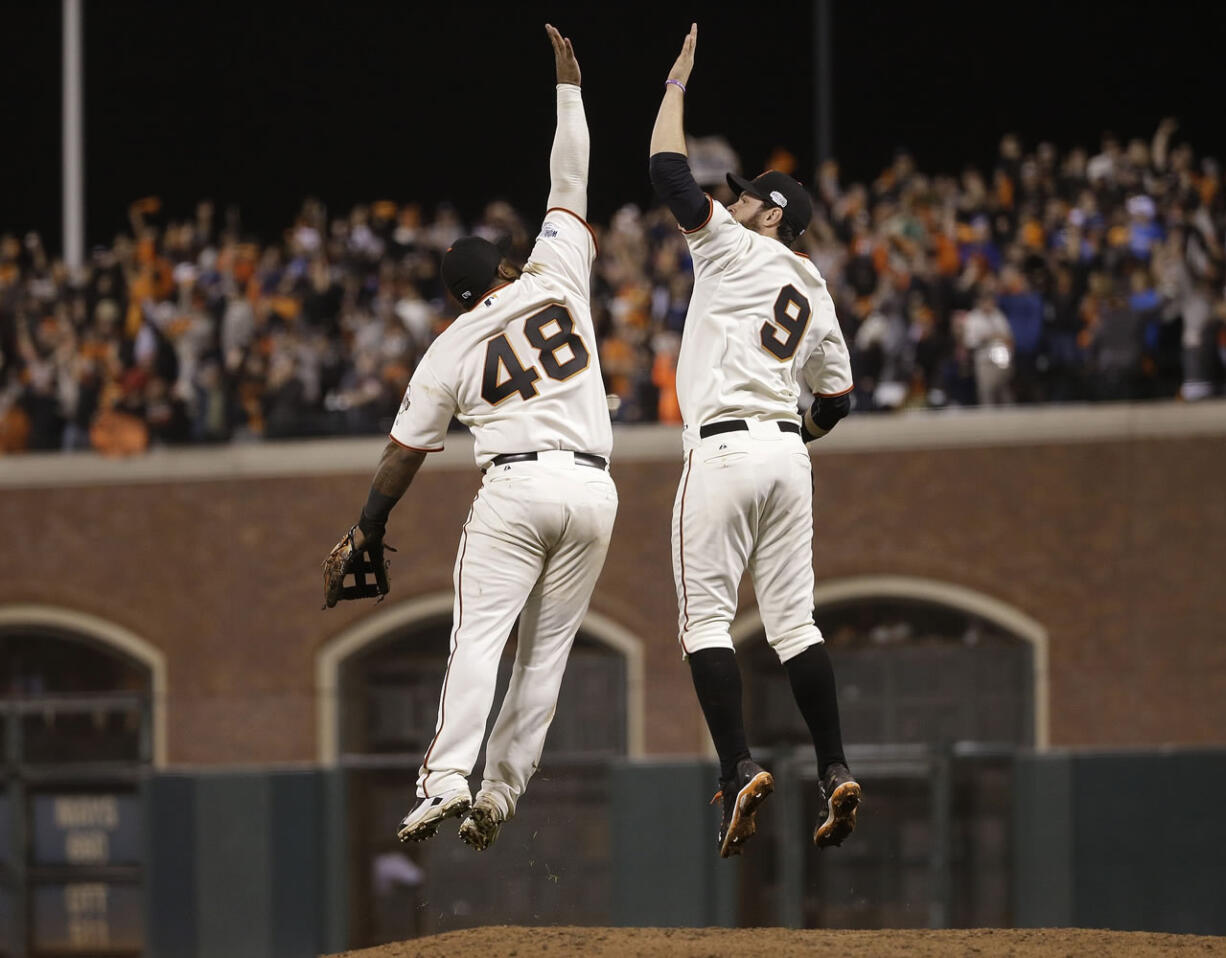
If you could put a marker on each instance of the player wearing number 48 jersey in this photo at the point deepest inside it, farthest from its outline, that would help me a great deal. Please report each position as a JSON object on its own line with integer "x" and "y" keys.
{"x": 519, "y": 368}
{"x": 760, "y": 321}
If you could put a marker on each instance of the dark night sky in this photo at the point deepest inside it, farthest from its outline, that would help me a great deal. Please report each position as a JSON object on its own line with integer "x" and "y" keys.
{"x": 262, "y": 103}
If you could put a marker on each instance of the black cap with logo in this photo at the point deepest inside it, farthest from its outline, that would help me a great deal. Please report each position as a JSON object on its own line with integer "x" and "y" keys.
{"x": 778, "y": 189}
{"x": 469, "y": 268}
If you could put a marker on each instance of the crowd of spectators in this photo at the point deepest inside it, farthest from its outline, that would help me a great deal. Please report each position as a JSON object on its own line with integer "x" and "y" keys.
{"x": 1050, "y": 279}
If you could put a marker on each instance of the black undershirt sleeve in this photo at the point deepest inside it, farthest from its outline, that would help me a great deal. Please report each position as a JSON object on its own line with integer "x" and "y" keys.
{"x": 826, "y": 412}
{"x": 675, "y": 185}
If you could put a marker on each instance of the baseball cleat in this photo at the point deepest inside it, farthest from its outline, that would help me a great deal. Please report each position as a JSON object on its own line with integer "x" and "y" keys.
{"x": 481, "y": 825}
{"x": 741, "y": 797}
{"x": 423, "y": 821}
{"x": 842, "y": 794}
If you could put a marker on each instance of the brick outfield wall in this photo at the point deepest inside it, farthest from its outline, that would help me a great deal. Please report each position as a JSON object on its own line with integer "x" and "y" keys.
{"x": 1116, "y": 547}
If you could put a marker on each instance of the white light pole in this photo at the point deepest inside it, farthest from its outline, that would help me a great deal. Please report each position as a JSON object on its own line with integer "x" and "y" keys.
{"x": 74, "y": 139}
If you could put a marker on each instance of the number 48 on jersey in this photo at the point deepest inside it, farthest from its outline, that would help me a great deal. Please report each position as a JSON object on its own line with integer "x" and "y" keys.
{"x": 560, "y": 351}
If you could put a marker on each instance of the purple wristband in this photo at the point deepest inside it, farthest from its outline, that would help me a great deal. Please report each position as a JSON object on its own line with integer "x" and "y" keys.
{"x": 677, "y": 83}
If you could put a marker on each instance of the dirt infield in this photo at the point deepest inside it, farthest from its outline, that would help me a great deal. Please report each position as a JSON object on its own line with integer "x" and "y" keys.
{"x": 773, "y": 942}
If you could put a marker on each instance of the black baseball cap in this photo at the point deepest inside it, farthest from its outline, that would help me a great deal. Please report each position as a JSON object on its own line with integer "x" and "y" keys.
{"x": 778, "y": 189}
{"x": 469, "y": 268}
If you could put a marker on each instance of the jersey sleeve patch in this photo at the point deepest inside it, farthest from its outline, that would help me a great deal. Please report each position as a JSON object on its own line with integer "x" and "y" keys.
{"x": 564, "y": 250}
{"x": 571, "y": 214}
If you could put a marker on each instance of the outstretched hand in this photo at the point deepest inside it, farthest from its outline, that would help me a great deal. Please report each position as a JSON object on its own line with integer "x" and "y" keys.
{"x": 563, "y": 57}
{"x": 685, "y": 59}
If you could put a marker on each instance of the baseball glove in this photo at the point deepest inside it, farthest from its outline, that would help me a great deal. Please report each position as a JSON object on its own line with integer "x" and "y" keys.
{"x": 347, "y": 559}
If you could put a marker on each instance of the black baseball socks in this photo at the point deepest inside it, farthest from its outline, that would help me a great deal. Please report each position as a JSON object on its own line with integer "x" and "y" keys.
{"x": 812, "y": 681}
{"x": 717, "y": 680}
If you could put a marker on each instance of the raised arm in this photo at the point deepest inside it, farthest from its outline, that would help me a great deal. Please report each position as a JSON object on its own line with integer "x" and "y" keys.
{"x": 568, "y": 160}
{"x": 670, "y": 169}
{"x": 668, "y": 135}
{"x": 1161, "y": 148}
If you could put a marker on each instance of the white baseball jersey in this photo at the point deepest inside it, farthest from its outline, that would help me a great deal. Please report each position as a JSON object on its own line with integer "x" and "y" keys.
{"x": 759, "y": 319}
{"x": 521, "y": 367}
{"x": 521, "y": 370}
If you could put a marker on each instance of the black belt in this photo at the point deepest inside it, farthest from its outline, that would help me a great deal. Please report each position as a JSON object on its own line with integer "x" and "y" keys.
{"x": 581, "y": 459}
{"x": 740, "y": 425}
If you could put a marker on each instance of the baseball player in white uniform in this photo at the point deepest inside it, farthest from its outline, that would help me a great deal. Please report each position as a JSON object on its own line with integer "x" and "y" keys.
{"x": 760, "y": 322}
{"x": 519, "y": 368}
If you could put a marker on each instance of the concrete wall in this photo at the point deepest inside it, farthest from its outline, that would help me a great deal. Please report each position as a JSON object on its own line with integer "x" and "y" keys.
{"x": 1104, "y": 525}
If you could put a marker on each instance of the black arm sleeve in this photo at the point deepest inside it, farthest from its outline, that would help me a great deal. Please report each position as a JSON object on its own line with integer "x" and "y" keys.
{"x": 826, "y": 413}
{"x": 674, "y": 184}
{"x": 828, "y": 410}
{"x": 378, "y": 506}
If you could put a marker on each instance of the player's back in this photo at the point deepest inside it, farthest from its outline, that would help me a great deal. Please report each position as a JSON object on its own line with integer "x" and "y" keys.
{"x": 520, "y": 368}
{"x": 760, "y": 317}
{"x": 527, "y": 376}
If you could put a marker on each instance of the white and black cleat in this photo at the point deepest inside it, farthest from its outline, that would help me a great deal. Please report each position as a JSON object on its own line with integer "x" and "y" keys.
{"x": 423, "y": 821}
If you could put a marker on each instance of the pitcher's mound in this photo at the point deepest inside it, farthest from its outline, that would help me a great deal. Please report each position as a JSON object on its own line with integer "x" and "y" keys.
{"x": 503, "y": 940}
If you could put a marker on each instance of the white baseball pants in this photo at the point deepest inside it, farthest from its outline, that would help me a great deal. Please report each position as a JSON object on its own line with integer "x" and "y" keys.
{"x": 745, "y": 502}
{"x": 533, "y": 546}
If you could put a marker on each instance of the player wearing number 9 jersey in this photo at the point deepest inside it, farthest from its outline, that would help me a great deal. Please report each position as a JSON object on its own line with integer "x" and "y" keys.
{"x": 760, "y": 322}
{"x": 519, "y": 368}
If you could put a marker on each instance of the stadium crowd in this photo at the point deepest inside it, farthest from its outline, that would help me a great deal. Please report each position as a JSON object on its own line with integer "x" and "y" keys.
{"x": 1053, "y": 278}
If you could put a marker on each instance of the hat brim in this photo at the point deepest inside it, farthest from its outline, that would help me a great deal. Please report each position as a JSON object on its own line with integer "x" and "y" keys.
{"x": 739, "y": 185}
